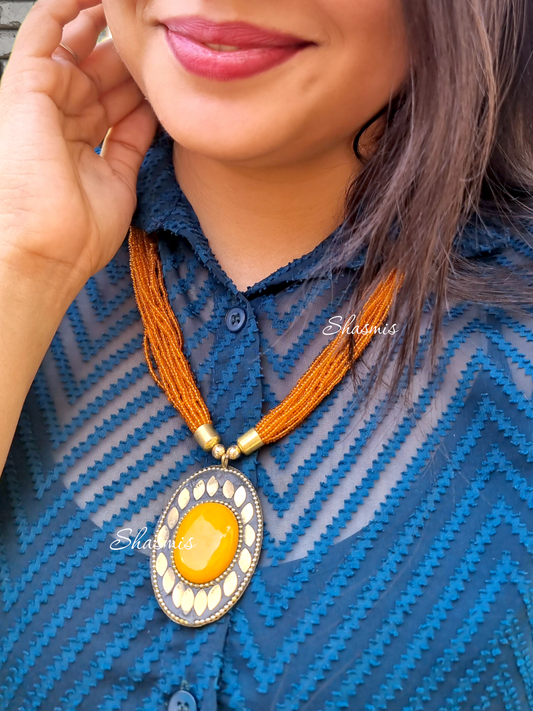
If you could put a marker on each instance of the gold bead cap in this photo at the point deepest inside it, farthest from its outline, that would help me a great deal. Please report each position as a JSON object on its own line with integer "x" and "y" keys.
{"x": 207, "y": 437}
{"x": 249, "y": 441}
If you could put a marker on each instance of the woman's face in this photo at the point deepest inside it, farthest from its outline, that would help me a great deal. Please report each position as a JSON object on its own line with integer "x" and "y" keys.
{"x": 312, "y": 102}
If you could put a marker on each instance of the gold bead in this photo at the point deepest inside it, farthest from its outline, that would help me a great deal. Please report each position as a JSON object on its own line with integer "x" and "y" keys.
{"x": 233, "y": 452}
{"x": 218, "y": 451}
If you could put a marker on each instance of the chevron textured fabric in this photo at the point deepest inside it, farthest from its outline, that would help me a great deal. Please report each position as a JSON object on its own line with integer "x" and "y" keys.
{"x": 396, "y": 570}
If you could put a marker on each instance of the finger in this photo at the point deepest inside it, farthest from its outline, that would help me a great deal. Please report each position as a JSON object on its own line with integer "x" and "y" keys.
{"x": 128, "y": 141}
{"x": 42, "y": 30}
{"x": 121, "y": 101}
{"x": 105, "y": 68}
{"x": 82, "y": 34}
{"x": 94, "y": 124}
{"x": 68, "y": 54}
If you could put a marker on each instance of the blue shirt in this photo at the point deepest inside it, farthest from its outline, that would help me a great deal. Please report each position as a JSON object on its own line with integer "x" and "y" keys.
{"x": 397, "y": 558}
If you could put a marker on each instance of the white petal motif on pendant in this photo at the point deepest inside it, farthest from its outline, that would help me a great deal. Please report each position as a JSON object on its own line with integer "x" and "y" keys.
{"x": 249, "y": 535}
{"x": 168, "y": 580}
{"x": 183, "y": 498}
{"x": 199, "y": 489}
{"x": 161, "y": 564}
{"x": 178, "y": 594}
{"x": 228, "y": 489}
{"x": 230, "y": 584}
{"x": 200, "y": 602}
{"x": 245, "y": 560}
{"x": 173, "y": 516}
{"x": 214, "y": 597}
{"x": 212, "y": 486}
{"x": 187, "y": 601}
{"x": 162, "y": 537}
{"x": 240, "y": 496}
{"x": 247, "y": 512}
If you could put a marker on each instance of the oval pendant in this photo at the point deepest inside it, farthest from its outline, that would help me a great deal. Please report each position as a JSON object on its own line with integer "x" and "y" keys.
{"x": 207, "y": 544}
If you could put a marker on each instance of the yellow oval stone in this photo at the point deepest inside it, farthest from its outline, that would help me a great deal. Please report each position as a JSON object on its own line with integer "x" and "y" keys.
{"x": 205, "y": 542}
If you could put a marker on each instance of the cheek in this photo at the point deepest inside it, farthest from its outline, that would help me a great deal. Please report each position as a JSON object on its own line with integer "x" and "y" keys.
{"x": 125, "y": 22}
{"x": 371, "y": 19}
{"x": 365, "y": 62}
{"x": 369, "y": 39}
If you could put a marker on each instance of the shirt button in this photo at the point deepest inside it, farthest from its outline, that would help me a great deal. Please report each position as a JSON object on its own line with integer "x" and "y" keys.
{"x": 182, "y": 701}
{"x": 235, "y": 319}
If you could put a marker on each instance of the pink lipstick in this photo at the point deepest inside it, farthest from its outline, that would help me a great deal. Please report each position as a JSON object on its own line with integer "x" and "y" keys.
{"x": 228, "y": 50}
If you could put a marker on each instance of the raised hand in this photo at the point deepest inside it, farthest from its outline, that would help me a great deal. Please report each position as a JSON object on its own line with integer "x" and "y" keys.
{"x": 64, "y": 210}
{"x": 60, "y": 203}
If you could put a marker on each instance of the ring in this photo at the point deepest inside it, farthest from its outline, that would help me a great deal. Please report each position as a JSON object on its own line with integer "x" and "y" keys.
{"x": 70, "y": 51}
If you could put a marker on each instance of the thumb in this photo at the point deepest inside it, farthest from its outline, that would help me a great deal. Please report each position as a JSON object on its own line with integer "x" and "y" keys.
{"x": 128, "y": 141}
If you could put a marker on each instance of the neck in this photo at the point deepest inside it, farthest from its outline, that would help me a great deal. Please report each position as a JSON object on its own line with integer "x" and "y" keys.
{"x": 258, "y": 220}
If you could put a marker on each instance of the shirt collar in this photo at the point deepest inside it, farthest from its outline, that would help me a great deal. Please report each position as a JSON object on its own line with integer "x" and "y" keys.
{"x": 162, "y": 206}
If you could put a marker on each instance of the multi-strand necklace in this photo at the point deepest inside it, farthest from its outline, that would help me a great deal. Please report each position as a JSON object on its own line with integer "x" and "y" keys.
{"x": 209, "y": 536}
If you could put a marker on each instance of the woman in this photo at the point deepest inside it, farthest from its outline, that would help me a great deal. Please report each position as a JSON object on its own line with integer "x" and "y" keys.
{"x": 297, "y": 163}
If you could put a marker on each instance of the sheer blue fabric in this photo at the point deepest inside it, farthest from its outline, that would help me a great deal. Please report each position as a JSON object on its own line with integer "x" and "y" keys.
{"x": 397, "y": 560}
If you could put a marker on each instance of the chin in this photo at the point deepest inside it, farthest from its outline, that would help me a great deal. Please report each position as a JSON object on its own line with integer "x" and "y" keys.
{"x": 225, "y": 141}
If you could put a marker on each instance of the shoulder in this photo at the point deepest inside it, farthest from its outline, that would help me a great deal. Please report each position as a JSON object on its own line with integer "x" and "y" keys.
{"x": 491, "y": 331}
{"x": 491, "y": 238}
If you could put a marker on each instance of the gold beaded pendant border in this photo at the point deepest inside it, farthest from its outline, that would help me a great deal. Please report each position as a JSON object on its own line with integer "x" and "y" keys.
{"x": 194, "y": 604}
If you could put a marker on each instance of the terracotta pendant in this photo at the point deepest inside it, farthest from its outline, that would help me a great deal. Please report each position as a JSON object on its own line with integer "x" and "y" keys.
{"x": 206, "y": 546}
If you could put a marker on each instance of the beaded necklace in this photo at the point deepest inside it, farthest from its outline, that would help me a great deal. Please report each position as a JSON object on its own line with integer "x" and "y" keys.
{"x": 209, "y": 536}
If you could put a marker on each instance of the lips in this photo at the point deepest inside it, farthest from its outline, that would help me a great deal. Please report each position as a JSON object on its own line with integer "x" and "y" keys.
{"x": 238, "y": 49}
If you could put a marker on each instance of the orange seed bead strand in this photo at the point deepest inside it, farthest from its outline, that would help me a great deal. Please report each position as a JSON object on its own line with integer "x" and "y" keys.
{"x": 328, "y": 368}
{"x": 163, "y": 340}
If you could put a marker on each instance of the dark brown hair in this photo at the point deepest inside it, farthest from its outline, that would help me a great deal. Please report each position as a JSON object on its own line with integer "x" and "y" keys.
{"x": 454, "y": 151}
